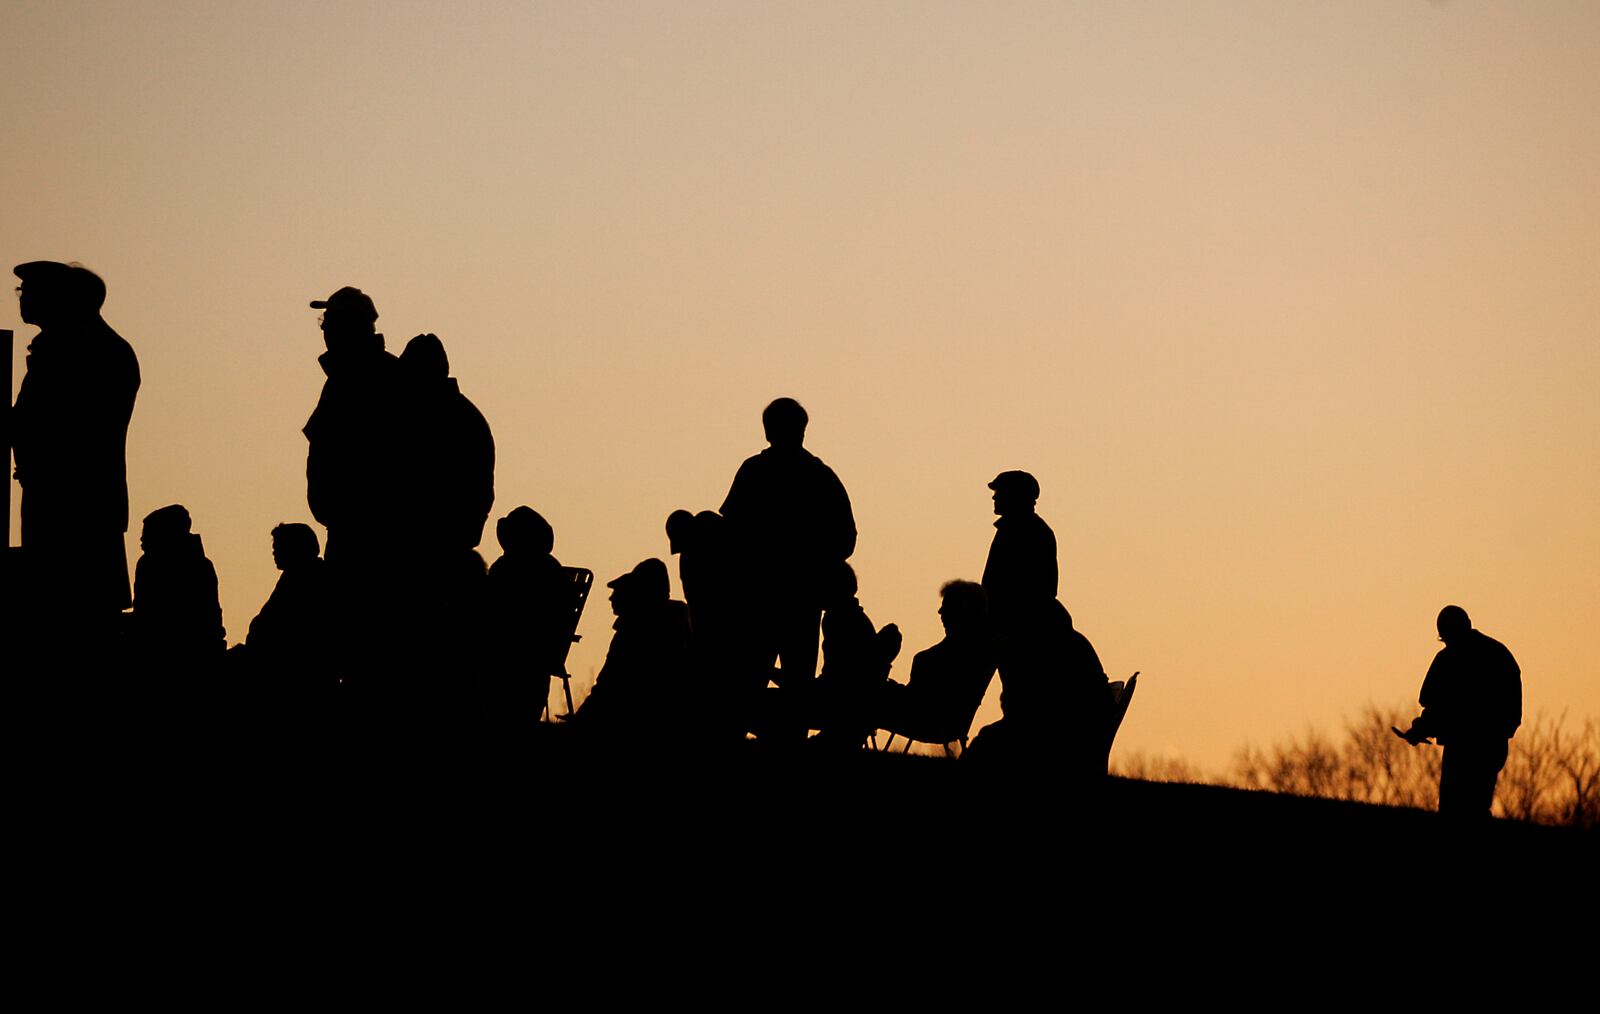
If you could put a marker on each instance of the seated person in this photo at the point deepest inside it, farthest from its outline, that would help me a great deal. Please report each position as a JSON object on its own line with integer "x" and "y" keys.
{"x": 856, "y": 657}
{"x": 1054, "y": 698}
{"x": 289, "y": 657}
{"x": 529, "y": 619}
{"x": 290, "y": 633}
{"x": 948, "y": 681}
{"x": 177, "y": 617}
{"x": 636, "y": 692}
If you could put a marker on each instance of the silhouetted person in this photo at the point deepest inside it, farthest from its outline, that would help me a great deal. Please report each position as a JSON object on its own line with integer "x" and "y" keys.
{"x": 1055, "y": 699}
{"x": 530, "y": 608}
{"x": 730, "y": 683}
{"x": 789, "y": 517}
{"x": 361, "y": 464}
{"x": 287, "y": 662}
{"x": 366, "y": 469}
{"x": 176, "y": 626}
{"x": 456, "y": 448}
{"x": 948, "y": 681}
{"x": 69, "y": 436}
{"x": 289, "y": 636}
{"x": 636, "y": 699}
{"x": 1472, "y": 704}
{"x": 856, "y": 657}
{"x": 1020, "y": 576}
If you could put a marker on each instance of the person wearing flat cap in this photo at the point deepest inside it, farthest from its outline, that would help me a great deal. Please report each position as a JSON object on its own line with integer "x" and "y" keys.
{"x": 70, "y": 433}
{"x": 1020, "y": 576}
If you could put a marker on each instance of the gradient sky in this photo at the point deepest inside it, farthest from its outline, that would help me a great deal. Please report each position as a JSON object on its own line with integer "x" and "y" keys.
{"x": 1291, "y": 308}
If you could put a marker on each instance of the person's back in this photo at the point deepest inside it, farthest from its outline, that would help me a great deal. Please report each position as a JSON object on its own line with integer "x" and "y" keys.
{"x": 1473, "y": 691}
{"x": 451, "y": 471}
{"x": 789, "y": 521}
{"x": 947, "y": 680}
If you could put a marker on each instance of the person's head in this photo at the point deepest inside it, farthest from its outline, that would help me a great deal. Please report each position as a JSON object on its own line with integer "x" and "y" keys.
{"x": 525, "y": 532}
{"x": 839, "y": 584}
{"x": 164, "y": 527}
{"x": 646, "y": 584}
{"x": 963, "y": 606}
{"x": 1014, "y": 493}
{"x": 1453, "y": 624}
{"x": 785, "y": 423}
{"x": 680, "y": 531}
{"x": 293, "y": 544}
{"x": 349, "y": 319}
{"x": 424, "y": 355}
{"x": 53, "y": 293}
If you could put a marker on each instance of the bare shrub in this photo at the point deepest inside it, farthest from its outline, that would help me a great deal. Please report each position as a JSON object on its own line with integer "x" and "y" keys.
{"x": 1147, "y": 768}
{"x": 1552, "y": 775}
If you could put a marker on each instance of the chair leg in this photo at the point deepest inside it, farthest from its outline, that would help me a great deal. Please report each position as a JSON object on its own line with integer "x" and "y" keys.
{"x": 566, "y": 685}
{"x": 908, "y": 747}
{"x": 888, "y": 743}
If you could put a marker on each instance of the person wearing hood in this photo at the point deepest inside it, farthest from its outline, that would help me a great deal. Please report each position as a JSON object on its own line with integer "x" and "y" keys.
{"x": 455, "y": 449}
{"x": 177, "y": 616}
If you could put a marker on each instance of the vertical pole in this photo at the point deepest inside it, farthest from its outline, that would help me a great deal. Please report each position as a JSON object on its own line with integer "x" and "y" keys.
{"x": 6, "y": 336}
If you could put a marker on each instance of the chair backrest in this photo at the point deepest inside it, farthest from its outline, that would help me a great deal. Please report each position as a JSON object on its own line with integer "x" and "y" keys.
{"x": 1121, "y": 697}
{"x": 580, "y": 581}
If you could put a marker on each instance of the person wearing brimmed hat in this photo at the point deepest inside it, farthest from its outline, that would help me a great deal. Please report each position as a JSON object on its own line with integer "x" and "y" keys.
{"x": 1020, "y": 576}
{"x": 69, "y": 437}
{"x": 635, "y": 689}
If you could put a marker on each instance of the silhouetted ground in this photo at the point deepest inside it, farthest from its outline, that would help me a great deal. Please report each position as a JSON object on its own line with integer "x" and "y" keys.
{"x": 754, "y": 878}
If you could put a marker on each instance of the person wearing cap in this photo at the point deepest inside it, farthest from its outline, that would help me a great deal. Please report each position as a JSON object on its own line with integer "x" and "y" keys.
{"x": 357, "y": 475}
{"x": 69, "y": 438}
{"x": 634, "y": 693}
{"x": 790, "y": 519}
{"x": 1472, "y": 704}
{"x": 1020, "y": 576}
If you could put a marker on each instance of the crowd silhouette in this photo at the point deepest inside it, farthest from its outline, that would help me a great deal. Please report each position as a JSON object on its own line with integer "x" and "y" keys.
{"x": 398, "y": 647}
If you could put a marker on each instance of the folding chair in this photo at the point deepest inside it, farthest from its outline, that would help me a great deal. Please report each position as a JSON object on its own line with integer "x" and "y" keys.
{"x": 1121, "y": 697}
{"x": 581, "y": 581}
{"x": 952, "y": 727}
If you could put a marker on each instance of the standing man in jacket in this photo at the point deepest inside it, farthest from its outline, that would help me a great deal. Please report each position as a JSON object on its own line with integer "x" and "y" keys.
{"x": 1472, "y": 704}
{"x": 70, "y": 434}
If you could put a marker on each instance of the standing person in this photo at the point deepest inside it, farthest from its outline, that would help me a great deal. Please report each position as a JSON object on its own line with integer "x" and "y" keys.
{"x": 357, "y": 472}
{"x": 1020, "y": 577}
{"x": 1472, "y": 704}
{"x": 70, "y": 433}
{"x": 456, "y": 485}
{"x": 363, "y": 470}
{"x": 789, "y": 516}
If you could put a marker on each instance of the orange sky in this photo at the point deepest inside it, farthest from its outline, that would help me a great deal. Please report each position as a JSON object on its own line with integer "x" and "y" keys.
{"x": 1292, "y": 308}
